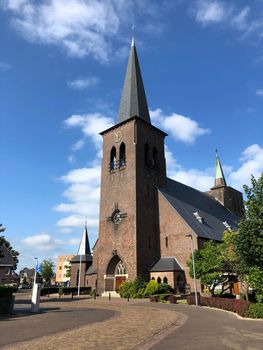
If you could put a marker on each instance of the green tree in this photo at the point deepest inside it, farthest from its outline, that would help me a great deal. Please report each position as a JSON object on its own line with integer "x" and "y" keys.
{"x": 13, "y": 252}
{"x": 47, "y": 270}
{"x": 249, "y": 240}
{"x": 212, "y": 267}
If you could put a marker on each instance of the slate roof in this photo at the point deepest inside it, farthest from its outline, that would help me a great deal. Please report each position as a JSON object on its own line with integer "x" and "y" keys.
{"x": 84, "y": 248}
{"x": 84, "y": 258}
{"x": 133, "y": 99}
{"x": 91, "y": 271}
{"x": 166, "y": 264}
{"x": 187, "y": 200}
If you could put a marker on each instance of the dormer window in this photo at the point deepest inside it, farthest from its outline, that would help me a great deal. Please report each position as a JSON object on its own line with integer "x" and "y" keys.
{"x": 198, "y": 217}
{"x": 227, "y": 226}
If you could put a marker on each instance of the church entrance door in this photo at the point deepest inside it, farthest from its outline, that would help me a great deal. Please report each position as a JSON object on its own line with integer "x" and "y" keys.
{"x": 115, "y": 274}
{"x": 119, "y": 281}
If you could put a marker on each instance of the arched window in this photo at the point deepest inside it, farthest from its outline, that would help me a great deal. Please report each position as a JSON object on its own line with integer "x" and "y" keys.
{"x": 113, "y": 163}
{"x": 122, "y": 155}
{"x": 159, "y": 280}
{"x": 146, "y": 154}
{"x": 120, "y": 268}
{"x": 165, "y": 280}
{"x": 153, "y": 279}
{"x": 155, "y": 157}
{"x": 166, "y": 242}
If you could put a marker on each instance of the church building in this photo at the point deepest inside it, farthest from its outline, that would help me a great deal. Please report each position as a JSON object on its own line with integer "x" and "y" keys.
{"x": 148, "y": 221}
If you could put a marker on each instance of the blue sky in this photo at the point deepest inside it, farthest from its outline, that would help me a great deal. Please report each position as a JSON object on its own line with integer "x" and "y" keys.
{"x": 62, "y": 66}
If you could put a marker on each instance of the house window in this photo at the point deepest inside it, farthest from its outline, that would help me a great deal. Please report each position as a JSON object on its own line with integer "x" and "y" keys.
{"x": 166, "y": 242}
{"x": 159, "y": 280}
{"x": 165, "y": 280}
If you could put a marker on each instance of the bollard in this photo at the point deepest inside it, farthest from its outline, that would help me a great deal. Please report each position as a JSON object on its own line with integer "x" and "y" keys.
{"x": 128, "y": 298}
{"x": 109, "y": 296}
{"x": 94, "y": 296}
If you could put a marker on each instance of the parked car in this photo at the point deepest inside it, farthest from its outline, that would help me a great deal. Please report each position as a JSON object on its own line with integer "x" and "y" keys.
{"x": 24, "y": 286}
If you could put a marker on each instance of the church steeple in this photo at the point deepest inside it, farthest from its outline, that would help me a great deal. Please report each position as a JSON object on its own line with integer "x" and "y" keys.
{"x": 133, "y": 99}
{"x": 84, "y": 248}
{"x": 219, "y": 178}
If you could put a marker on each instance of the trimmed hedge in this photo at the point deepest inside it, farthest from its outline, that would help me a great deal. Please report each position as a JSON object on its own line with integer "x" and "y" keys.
{"x": 241, "y": 307}
{"x": 64, "y": 290}
{"x": 6, "y": 291}
{"x": 255, "y": 310}
{"x": 163, "y": 297}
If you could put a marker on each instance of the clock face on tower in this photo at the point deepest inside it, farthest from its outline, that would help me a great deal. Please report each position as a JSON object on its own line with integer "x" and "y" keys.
{"x": 117, "y": 136}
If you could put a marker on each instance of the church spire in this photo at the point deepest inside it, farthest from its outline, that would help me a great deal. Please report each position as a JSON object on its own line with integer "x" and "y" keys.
{"x": 84, "y": 248}
{"x": 133, "y": 99}
{"x": 219, "y": 178}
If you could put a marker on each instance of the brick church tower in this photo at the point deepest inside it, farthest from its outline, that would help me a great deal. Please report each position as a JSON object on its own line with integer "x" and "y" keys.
{"x": 133, "y": 166}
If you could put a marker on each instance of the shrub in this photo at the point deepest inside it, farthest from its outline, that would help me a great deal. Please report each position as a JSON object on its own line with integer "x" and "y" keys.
{"x": 163, "y": 288}
{"x": 255, "y": 310}
{"x": 172, "y": 299}
{"x": 126, "y": 289}
{"x": 151, "y": 288}
{"x": 6, "y": 291}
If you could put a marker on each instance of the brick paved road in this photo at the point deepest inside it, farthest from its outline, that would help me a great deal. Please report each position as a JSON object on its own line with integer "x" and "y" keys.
{"x": 131, "y": 324}
{"x": 137, "y": 324}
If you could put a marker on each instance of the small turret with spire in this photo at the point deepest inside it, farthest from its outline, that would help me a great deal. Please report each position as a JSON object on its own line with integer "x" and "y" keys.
{"x": 219, "y": 176}
{"x": 82, "y": 261}
{"x": 226, "y": 195}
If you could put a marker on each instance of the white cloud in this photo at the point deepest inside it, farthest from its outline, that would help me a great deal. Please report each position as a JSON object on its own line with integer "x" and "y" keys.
{"x": 83, "y": 27}
{"x": 45, "y": 242}
{"x": 180, "y": 127}
{"x": 229, "y": 15}
{"x": 240, "y": 19}
{"x": 208, "y": 11}
{"x": 91, "y": 125}
{"x": 259, "y": 92}
{"x": 202, "y": 180}
{"x": 4, "y": 66}
{"x": 81, "y": 84}
{"x": 252, "y": 164}
{"x": 78, "y": 145}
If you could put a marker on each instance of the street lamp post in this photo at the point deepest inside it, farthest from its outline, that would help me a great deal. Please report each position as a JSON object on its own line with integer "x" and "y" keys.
{"x": 79, "y": 277}
{"x": 193, "y": 261}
